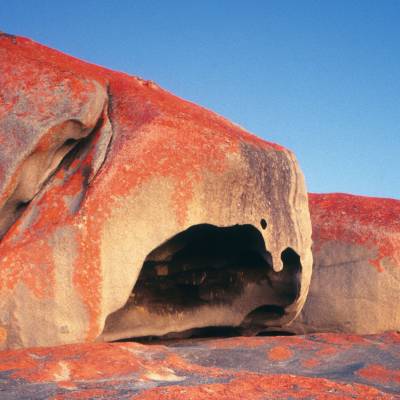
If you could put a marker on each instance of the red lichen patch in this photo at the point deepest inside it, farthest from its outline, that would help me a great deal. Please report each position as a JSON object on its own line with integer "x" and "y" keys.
{"x": 87, "y": 278}
{"x": 379, "y": 373}
{"x": 258, "y": 387}
{"x": 67, "y": 385}
{"x": 3, "y": 334}
{"x": 31, "y": 264}
{"x": 366, "y": 221}
{"x": 88, "y": 394}
{"x": 342, "y": 339}
{"x": 327, "y": 351}
{"x": 173, "y": 154}
{"x": 390, "y": 337}
{"x": 311, "y": 363}
{"x": 279, "y": 353}
{"x": 92, "y": 362}
{"x": 70, "y": 363}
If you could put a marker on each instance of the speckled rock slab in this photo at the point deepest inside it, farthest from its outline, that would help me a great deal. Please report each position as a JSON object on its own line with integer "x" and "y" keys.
{"x": 319, "y": 366}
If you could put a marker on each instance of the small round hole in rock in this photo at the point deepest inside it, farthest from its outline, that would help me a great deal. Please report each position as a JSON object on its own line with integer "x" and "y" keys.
{"x": 263, "y": 223}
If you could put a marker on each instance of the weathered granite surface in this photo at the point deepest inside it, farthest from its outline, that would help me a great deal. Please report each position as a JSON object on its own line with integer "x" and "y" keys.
{"x": 319, "y": 366}
{"x": 356, "y": 277}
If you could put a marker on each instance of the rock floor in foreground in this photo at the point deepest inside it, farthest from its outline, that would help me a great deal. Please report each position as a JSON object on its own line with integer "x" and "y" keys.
{"x": 319, "y": 366}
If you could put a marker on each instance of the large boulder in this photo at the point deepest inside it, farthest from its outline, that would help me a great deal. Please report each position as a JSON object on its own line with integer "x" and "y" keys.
{"x": 355, "y": 284}
{"x": 126, "y": 211}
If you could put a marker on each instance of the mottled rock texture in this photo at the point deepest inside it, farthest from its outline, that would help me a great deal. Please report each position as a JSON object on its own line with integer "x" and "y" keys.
{"x": 102, "y": 174}
{"x": 356, "y": 277}
{"x": 320, "y": 366}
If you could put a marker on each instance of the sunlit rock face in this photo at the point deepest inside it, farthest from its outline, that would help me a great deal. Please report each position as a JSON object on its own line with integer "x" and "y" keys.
{"x": 127, "y": 212}
{"x": 355, "y": 284}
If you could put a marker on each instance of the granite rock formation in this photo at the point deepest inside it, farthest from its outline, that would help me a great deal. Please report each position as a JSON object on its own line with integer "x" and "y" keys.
{"x": 355, "y": 285}
{"x": 320, "y": 366}
{"x": 128, "y": 212}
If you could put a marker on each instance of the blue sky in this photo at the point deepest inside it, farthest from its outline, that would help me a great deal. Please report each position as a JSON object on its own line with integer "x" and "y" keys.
{"x": 320, "y": 77}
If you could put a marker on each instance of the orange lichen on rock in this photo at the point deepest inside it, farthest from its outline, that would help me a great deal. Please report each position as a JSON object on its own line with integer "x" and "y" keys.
{"x": 206, "y": 369}
{"x": 311, "y": 363}
{"x": 356, "y": 251}
{"x": 33, "y": 264}
{"x": 259, "y": 387}
{"x": 368, "y": 221}
{"x": 88, "y": 395}
{"x": 279, "y": 353}
{"x": 381, "y": 374}
{"x": 3, "y": 334}
{"x": 62, "y": 363}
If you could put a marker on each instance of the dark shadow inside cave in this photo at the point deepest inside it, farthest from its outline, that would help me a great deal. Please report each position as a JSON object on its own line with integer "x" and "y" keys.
{"x": 209, "y": 266}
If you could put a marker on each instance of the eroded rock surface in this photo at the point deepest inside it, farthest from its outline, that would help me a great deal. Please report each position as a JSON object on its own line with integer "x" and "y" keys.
{"x": 356, "y": 277}
{"x": 320, "y": 366}
{"x": 102, "y": 174}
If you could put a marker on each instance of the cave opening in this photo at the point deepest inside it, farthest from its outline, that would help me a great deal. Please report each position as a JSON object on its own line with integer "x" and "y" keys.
{"x": 207, "y": 281}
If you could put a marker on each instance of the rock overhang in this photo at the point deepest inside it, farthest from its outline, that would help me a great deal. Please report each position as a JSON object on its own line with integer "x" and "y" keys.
{"x": 130, "y": 166}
